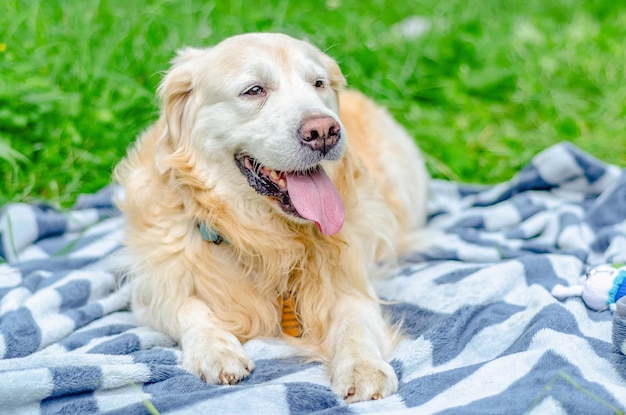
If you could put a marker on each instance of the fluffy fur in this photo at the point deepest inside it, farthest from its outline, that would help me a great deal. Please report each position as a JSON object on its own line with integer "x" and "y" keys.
{"x": 182, "y": 172}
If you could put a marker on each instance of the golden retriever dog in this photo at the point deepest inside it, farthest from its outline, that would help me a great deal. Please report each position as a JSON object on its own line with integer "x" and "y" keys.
{"x": 264, "y": 188}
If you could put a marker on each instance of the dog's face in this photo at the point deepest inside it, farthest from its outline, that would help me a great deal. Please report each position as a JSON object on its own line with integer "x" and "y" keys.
{"x": 260, "y": 113}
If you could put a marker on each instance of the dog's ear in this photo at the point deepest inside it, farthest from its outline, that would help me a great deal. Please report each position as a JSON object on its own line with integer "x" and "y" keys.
{"x": 175, "y": 93}
{"x": 336, "y": 78}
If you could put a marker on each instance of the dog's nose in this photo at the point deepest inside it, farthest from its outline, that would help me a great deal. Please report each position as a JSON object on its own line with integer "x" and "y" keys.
{"x": 320, "y": 133}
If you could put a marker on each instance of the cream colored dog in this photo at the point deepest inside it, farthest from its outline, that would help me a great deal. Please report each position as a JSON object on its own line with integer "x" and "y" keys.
{"x": 254, "y": 192}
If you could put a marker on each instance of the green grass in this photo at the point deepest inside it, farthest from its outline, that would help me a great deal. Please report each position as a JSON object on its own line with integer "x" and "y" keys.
{"x": 489, "y": 85}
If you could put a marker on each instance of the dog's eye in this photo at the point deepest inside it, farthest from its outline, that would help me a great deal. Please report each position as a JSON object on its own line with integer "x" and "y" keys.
{"x": 319, "y": 84}
{"x": 255, "y": 91}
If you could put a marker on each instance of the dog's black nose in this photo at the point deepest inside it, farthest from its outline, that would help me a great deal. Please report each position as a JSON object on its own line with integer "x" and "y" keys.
{"x": 320, "y": 133}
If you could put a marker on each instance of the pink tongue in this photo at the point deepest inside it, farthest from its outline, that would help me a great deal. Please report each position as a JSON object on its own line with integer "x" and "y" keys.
{"x": 315, "y": 198}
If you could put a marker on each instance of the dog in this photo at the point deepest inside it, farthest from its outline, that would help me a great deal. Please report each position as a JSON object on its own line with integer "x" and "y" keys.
{"x": 265, "y": 187}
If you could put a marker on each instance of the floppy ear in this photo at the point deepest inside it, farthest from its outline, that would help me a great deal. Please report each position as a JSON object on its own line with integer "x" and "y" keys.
{"x": 175, "y": 93}
{"x": 336, "y": 78}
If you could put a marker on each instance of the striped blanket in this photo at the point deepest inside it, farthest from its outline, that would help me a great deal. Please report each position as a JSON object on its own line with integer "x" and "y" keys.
{"x": 484, "y": 335}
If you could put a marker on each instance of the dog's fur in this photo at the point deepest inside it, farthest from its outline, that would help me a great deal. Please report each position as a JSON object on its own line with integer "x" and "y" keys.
{"x": 182, "y": 172}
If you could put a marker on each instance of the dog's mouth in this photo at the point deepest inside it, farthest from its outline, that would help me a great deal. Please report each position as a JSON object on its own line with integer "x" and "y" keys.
{"x": 307, "y": 194}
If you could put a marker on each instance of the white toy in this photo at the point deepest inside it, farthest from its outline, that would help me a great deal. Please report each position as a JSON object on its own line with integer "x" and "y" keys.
{"x": 600, "y": 287}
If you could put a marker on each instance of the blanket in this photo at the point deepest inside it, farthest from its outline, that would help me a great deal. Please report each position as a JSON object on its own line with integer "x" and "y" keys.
{"x": 482, "y": 332}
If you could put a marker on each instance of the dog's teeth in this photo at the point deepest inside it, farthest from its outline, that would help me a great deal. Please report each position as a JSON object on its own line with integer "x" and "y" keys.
{"x": 248, "y": 164}
{"x": 282, "y": 183}
{"x": 274, "y": 175}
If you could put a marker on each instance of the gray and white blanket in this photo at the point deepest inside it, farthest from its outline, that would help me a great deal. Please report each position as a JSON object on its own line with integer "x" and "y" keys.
{"x": 483, "y": 333}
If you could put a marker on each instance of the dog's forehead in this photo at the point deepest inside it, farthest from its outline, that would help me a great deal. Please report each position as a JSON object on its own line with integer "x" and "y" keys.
{"x": 249, "y": 53}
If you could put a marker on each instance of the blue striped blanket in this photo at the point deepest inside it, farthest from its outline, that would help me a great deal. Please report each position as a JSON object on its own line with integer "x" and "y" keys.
{"x": 484, "y": 335}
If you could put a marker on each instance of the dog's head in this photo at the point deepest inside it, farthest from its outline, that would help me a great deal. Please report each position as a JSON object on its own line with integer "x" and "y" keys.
{"x": 260, "y": 114}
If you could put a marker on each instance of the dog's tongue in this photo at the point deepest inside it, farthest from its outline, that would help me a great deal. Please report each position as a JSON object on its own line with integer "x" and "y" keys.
{"x": 315, "y": 198}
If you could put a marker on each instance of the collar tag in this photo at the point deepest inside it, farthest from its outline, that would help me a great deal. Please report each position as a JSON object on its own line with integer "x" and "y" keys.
{"x": 210, "y": 234}
{"x": 290, "y": 322}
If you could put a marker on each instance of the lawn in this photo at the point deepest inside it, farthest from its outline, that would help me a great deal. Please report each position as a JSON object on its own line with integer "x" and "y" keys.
{"x": 482, "y": 85}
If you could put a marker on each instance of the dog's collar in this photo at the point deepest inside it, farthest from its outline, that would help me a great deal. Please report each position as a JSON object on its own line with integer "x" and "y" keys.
{"x": 210, "y": 234}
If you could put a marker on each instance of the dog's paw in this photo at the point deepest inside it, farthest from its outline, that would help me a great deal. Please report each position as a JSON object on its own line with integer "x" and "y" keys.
{"x": 216, "y": 359}
{"x": 359, "y": 380}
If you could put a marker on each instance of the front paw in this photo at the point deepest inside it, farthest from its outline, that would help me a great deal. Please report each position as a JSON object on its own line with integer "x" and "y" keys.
{"x": 359, "y": 380}
{"x": 216, "y": 359}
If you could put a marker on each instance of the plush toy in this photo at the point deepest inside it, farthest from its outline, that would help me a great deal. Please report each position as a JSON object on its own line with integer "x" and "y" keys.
{"x": 601, "y": 287}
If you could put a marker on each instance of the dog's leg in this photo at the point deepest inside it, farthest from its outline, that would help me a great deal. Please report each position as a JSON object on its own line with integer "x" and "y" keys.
{"x": 209, "y": 351}
{"x": 358, "y": 339}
